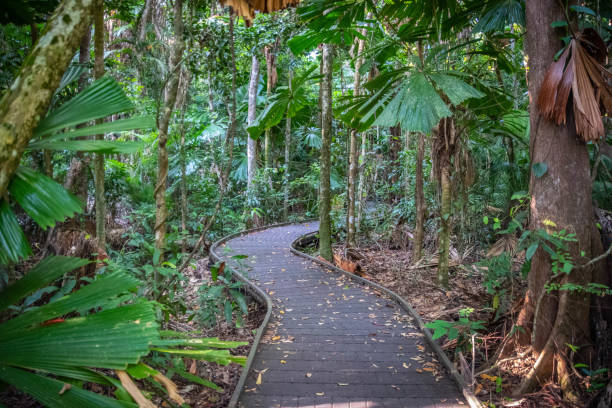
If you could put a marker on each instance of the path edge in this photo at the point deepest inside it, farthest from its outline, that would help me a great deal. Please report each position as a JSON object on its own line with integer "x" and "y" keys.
{"x": 260, "y": 295}
{"x": 472, "y": 400}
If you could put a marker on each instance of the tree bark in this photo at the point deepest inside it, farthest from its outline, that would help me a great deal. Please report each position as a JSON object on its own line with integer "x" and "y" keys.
{"x": 551, "y": 320}
{"x": 161, "y": 212}
{"x": 28, "y": 98}
{"x": 251, "y": 144}
{"x": 419, "y": 200}
{"x": 444, "y": 146}
{"x": 361, "y": 190}
{"x": 353, "y": 156}
{"x": 99, "y": 157}
{"x": 325, "y": 249}
{"x": 287, "y": 156}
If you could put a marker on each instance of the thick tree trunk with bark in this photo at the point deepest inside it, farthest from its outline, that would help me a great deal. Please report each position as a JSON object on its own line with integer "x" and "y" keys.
{"x": 28, "y": 98}
{"x": 419, "y": 200}
{"x": 251, "y": 144}
{"x": 99, "y": 157}
{"x": 353, "y": 156}
{"x": 287, "y": 156}
{"x": 325, "y": 249}
{"x": 550, "y": 320}
{"x": 171, "y": 90}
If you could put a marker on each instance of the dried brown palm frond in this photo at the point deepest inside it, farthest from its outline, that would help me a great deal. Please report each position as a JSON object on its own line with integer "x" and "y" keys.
{"x": 247, "y": 8}
{"x": 579, "y": 72}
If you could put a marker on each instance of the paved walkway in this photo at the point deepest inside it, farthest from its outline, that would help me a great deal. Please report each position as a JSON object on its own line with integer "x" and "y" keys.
{"x": 332, "y": 342}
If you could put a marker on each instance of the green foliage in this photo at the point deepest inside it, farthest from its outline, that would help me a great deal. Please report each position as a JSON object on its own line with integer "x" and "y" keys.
{"x": 223, "y": 293}
{"x": 461, "y": 330}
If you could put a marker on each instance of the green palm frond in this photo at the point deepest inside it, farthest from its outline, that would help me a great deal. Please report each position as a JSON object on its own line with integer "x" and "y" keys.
{"x": 13, "y": 243}
{"x": 102, "y": 98}
{"x": 500, "y": 14}
{"x": 42, "y": 198}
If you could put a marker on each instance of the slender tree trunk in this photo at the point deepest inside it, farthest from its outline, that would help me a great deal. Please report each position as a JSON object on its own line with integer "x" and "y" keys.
{"x": 251, "y": 144}
{"x": 561, "y": 196}
{"x": 30, "y": 94}
{"x": 171, "y": 90}
{"x": 271, "y": 78}
{"x": 419, "y": 199}
{"x": 444, "y": 147}
{"x": 99, "y": 157}
{"x": 229, "y": 150}
{"x": 325, "y": 249}
{"x": 361, "y": 190}
{"x": 145, "y": 18}
{"x": 184, "y": 230}
{"x": 211, "y": 104}
{"x": 287, "y": 156}
{"x": 353, "y": 156}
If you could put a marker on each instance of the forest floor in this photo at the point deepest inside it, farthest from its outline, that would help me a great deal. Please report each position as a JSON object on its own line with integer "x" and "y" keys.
{"x": 198, "y": 396}
{"x": 395, "y": 270}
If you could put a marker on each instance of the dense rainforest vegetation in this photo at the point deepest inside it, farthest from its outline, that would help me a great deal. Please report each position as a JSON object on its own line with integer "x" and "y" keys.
{"x": 457, "y": 152}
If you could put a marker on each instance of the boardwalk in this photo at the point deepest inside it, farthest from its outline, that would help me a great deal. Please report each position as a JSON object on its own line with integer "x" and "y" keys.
{"x": 331, "y": 342}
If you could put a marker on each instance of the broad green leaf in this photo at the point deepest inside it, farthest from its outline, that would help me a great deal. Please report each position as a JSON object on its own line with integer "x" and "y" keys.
{"x": 13, "y": 243}
{"x": 109, "y": 339}
{"x": 531, "y": 250}
{"x": 140, "y": 371}
{"x": 88, "y": 297}
{"x": 501, "y": 14}
{"x": 239, "y": 298}
{"x": 227, "y": 310}
{"x": 453, "y": 87}
{"x": 98, "y": 146}
{"x": 211, "y": 342}
{"x": 48, "y": 391}
{"x": 583, "y": 9}
{"x": 416, "y": 107}
{"x": 45, "y": 272}
{"x": 43, "y": 199}
{"x": 102, "y": 98}
{"x": 222, "y": 357}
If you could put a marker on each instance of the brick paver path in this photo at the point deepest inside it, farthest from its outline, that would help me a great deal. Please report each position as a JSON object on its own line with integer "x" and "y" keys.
{"x": 332, "y": 342}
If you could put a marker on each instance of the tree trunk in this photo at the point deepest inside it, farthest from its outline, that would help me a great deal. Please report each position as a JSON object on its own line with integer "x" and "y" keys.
{"x": 353, "y": 156}
{"x": 361, "y": 190}
{"x": 325, "y": 249}
{"x": 229, "y": 150}
{"x": 171, "y": 90}
{"x": 552, "y": 319}
{"x": 211, "y": 105}
{"x": 251, "y": 144}
{"x": 271, "y": 78}
{"x": 444, "y": 147}
{"x": 287, "y": 156}
{"x": 29, "y": 96}
{"x": 419, "y": 200}
{"x": 99, "y": 157}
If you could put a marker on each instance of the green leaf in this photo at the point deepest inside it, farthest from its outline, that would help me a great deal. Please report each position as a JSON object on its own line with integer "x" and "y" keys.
{"x": 456, "y": 90}
{"x": 239, "y": 298}
{"x": 43, "y": 199}
{"x": 203, "y": 343}
{"x": 583, "y": 9}
{"x": 485, "y": 220}
{"x": 90, "y": 296}
{"x": 227, "y": 310}
{"x": 416, "y": 107}
{"x": 47, "y": 391}
{"x": 501, "y": 14}
{"x": 222, "y": 357}
{"x": 539, "y": 169}
{"x": 198, "y": 380}
{"x": 13, "y": 243}
{"x": 531, "y": 250}
{"x": 140, "y": 371}
{"x": 558, "y": 23}
{"x": 109, "y": 339}
{"x": 97, "y": 146}
{"x": 45, "y": 272}
{"x": 102, "y": 98}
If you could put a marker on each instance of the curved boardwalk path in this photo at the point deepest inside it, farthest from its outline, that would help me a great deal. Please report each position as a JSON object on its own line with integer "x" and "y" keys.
{"x": 332, "y": 342}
